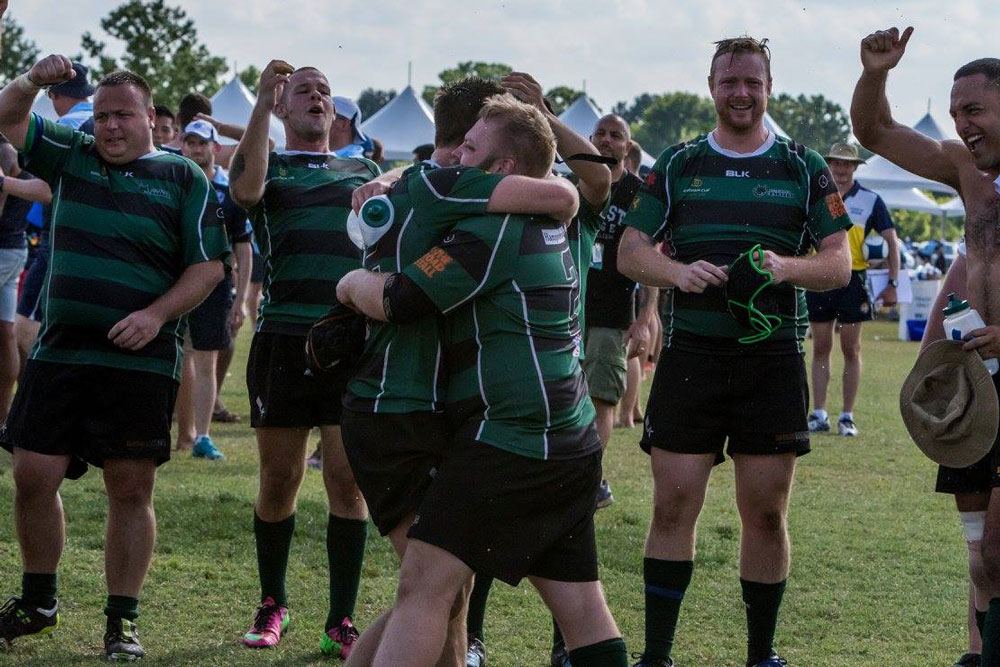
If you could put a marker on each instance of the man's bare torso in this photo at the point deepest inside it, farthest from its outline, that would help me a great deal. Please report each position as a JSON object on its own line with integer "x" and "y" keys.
{"x": 982, "y": 239}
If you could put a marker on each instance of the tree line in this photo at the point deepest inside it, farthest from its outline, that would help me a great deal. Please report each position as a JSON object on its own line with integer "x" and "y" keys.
{"x": 161, "y": 43}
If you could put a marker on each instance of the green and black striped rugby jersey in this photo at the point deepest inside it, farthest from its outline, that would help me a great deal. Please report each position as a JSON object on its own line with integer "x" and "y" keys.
{"x": 510, "y": 292}
{"x": 712, "y": 204}
{"x": 300, "y": 225}
{"x": 121, "y": 236}
{"x": 400, "y": 369}
{"x": 582, "y": 237}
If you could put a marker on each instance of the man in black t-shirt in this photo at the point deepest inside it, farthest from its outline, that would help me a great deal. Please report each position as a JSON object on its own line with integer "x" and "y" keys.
{"x": 613, "y": 333}
{"x": 13, "y": 254}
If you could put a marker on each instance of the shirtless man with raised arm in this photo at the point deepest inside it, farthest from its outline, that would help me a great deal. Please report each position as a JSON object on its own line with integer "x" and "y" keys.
{"x": 971, "y": 166}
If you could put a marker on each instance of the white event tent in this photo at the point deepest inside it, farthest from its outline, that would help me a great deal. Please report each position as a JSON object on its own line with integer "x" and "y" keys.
{"x": 910, "y": 199}
{"x": 234, "y": 103}
{"x": 954, "y": 208}
{"x": 401, "y": 125}
{"x": 581, "y": 116}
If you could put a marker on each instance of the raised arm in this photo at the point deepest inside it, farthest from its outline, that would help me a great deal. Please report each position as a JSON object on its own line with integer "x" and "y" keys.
{"x": 248, "y": 168}
{"x": 595, "y": 178}
{"x": 873, "y": 124}
{"x": 17, "y": 96}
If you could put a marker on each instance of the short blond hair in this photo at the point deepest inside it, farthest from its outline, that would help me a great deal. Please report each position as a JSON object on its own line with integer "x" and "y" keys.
{"x": 526, "y": 133}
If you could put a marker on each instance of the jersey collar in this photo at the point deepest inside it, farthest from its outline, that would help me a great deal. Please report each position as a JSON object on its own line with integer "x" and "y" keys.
{"x": 764, "y": 147}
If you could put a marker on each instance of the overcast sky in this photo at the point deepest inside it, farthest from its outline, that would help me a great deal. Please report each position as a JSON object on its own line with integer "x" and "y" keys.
{"x": 620, "y": 47}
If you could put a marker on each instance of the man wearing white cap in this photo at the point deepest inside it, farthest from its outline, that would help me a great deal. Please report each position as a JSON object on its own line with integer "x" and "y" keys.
{"x": 346, "y": 137}
{"x": 213, "y": 323}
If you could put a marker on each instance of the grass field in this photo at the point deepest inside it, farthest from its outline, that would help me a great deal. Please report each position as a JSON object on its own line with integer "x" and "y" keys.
{"x": 878, "y": 570}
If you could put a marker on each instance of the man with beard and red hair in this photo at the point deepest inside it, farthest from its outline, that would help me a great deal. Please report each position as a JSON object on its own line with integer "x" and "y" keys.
{"x": 714, "y": 198}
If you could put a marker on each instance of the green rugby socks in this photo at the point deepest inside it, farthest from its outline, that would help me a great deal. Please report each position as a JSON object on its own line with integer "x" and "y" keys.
{"x": 122, "y": 606}
{"x": 345, "y": 551}
{"x": 38, "y": 590}
{"x": 762, "y": 603}
{"x": 274, "y": 541}
{"x": 666, "y": 582}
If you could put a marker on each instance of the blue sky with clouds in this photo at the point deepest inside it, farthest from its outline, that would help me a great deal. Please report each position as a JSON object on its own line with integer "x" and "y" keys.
{"x": 620, "y": 47}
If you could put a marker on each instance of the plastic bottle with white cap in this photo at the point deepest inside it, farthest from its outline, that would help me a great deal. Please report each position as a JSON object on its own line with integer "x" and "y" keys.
{"x": 959, "y": 320}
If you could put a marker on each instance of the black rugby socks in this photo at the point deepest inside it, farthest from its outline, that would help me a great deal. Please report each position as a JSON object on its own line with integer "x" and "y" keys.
{"x": 609, "y": 653}
{"x": 477, "y": 606}
{"x": 991, "y": 635}
{"x": 665, "y": 581}
{"x": 38, "y": 590}
{"x": 345, "y": 551}
{"x": 274, "y": 540}
{"x": 762, "y": 603}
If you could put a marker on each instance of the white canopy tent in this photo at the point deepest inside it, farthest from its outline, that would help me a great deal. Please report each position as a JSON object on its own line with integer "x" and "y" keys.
{"x": 581, "y": 116}
{"x": 774, "y": 127}
{"x": 234, "y": 103}
{"x": 910, "y": 199}
{"x": 954, "y": 208}
{"x": 401, "y": 125}
{"x": 880, "y": 173}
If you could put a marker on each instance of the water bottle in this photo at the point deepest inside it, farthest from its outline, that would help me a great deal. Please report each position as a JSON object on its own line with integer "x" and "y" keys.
{"x": 372, "y": 222}
{"x": 959, "y": 320}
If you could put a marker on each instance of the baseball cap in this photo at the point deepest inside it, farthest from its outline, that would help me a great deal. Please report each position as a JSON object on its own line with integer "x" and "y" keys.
{"x": 79, "y": 87}
{"x": 346, "y": 108}
{"x": 203, "y": 129}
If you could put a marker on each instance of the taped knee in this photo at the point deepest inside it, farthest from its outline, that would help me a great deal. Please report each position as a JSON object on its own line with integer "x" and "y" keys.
{"x": 973, "y": 524}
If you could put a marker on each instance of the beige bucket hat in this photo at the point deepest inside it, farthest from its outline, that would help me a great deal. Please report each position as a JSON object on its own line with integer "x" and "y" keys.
{"x": 949, "y": 405}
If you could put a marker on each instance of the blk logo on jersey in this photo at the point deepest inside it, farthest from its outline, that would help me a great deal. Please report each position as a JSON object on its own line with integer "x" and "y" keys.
{"x": 733, "y": 173}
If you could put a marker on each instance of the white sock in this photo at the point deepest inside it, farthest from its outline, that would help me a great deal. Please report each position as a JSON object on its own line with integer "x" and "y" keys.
{"x": 846, "y": 415}
{"x": 820, "y": 414}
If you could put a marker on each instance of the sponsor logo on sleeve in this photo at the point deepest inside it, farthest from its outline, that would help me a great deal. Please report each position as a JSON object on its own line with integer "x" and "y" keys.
{"x": 434, "y": 261}
{"x": 835, "y": 205}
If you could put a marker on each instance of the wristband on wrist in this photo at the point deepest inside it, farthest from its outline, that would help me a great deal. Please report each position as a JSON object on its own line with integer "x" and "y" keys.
{"x": 26, "y": 85}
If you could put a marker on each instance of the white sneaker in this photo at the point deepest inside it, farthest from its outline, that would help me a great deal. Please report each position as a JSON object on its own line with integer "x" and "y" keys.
{"x": 846, "y": 426}
{"x": 818, "y": 424}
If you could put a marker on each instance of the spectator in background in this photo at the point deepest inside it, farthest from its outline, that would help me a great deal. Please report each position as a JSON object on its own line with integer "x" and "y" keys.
{"x": 628, "y": 410}
{"x": 213, "y": 323}
{"x": 14, "y": 184}
{"x": 422, "y": 153}
{"x": 191, "y": 105}
{"x": 850, "y": 306}
{"x": 377, "y": 153}
{"x": 346, "y": 137}
{"x": 164, "y": 129}
{"x": 195, "y": 106}
{"x": 71, "y": 99}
